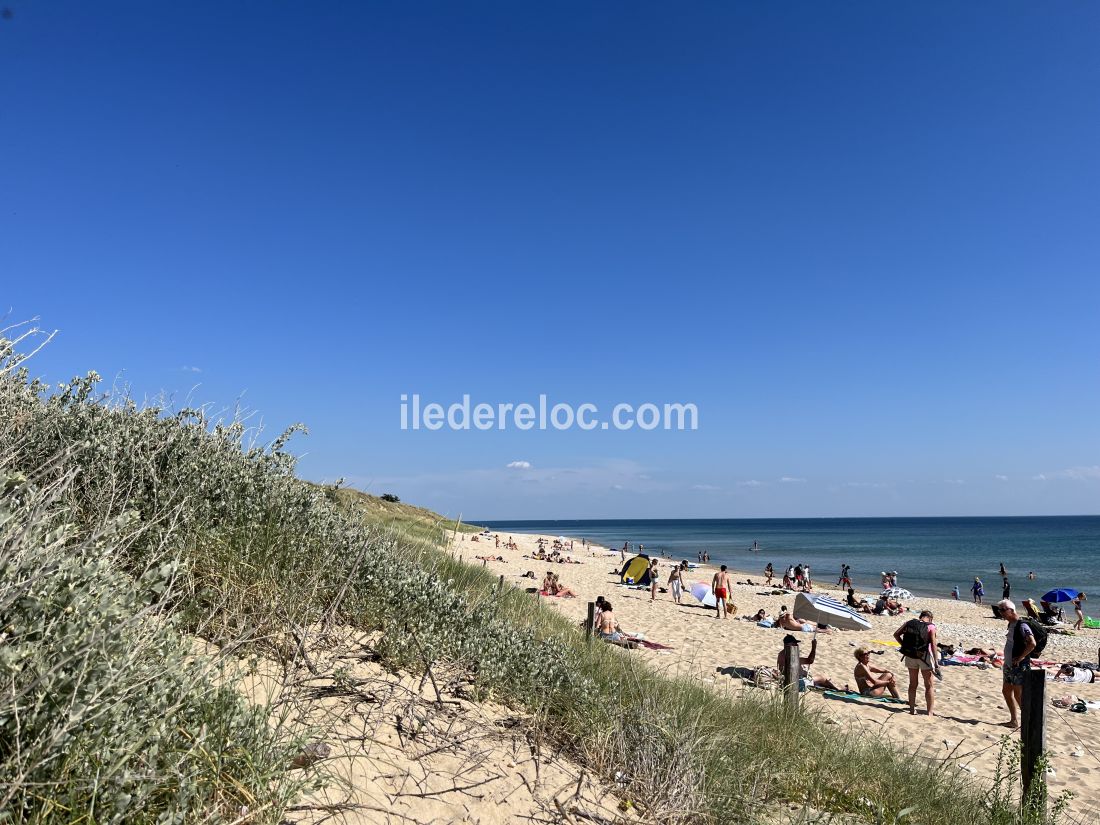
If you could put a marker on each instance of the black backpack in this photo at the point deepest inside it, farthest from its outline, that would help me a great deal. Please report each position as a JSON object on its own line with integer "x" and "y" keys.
{"x": 914, "y": 639}
{"x": 1037, "y": 630}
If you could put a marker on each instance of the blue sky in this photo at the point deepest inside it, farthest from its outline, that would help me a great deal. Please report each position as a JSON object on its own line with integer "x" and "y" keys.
{"x": 861, "y": 238}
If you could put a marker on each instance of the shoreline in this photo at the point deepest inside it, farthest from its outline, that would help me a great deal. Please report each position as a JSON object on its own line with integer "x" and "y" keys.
{"x": 970, "y": 710}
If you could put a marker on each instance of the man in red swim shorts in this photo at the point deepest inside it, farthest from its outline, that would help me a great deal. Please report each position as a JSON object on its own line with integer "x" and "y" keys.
{"x": 720, "y": 584}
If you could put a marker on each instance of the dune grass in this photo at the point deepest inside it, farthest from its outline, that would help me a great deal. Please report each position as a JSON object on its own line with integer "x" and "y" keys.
{"x": 249, "y": 555}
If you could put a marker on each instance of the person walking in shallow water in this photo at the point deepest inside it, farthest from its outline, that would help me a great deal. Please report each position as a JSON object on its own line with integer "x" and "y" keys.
{"x": 978, "y": 589}
{"x": 1006, "y": 589}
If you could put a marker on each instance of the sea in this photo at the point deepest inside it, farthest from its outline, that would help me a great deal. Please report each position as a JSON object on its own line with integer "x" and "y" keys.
{"x": 931, "y": 555}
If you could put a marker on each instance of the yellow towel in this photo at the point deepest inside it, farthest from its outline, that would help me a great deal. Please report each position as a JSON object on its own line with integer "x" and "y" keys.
{"x": 890, "y": 643}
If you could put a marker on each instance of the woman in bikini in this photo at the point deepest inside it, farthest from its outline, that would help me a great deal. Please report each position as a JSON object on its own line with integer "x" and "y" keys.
{"x": 868, "y": 683}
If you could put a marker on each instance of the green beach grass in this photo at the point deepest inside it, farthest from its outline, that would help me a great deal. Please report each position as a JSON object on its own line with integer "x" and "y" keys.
{"x": 125, "y": 530}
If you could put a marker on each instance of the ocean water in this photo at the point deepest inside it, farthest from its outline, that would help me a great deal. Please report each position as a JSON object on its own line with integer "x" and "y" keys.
{"x": 931, "y": 555}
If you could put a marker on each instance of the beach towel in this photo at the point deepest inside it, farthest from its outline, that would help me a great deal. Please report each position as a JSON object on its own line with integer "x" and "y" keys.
{"x": 851, "y": 696}
{"x": 890, "y": 643}
{"x": 652, "y": 645}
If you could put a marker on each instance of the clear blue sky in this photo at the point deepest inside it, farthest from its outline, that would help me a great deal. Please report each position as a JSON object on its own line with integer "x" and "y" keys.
{"x": 861, "y": 237}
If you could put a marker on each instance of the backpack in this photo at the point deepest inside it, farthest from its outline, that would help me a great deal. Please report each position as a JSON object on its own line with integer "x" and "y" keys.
{"x": 914, "y": 639}
{"x": 1037, "y": 630}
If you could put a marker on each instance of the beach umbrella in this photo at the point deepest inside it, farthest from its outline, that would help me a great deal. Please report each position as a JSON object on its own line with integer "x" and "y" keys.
{"x": 1060, "y": 594}
{"x": 899, "y": 593}
{"x": 811, "y": 607}
{"x": 704, "y": 594}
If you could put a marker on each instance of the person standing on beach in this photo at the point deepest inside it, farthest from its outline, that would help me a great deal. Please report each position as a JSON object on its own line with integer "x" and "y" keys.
{"x": 1080, "y": 611}
{"x": 1006, "y": 588}
{"x": 720, "y": 584}
{"x": 917, "y": 638}
{"x": 653, "y": 580}
{"x": 676, "y": 582}
{"x": 978, "y": 589}
{"x": 955, "y": 592}
{"x": 769, "y": 573}
{"x": 845, "y": 579}
{"x": 1019, "y": 642}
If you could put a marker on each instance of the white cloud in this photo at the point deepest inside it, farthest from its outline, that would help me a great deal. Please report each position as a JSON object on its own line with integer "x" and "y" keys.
{"x": 871, "y": 484}
{"x": 791, "y": 480}
{"x": 704, "y": 487}
{"x": 519, "y": 465}
{"x": 954, "y": 481}
{"x": 1084, "y": 473}
{"x": 190, "y": 369}
{"x": 1000, "y": 477}
{"x": 752, "y": 482}
{"x": 1040, "y": 477}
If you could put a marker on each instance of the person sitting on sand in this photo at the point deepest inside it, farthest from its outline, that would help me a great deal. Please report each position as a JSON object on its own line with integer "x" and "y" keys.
{"x": 805, "y": 679}
{"x": 558, "y": 589}
{"x": 607, "y": 626}
{"x": 867, "y": 682}
{"x": 548, "y": 582}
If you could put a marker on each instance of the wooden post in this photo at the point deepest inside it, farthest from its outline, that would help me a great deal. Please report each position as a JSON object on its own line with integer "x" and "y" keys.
{"x": 500, "y": 584}
{"x": 1032, "y": 709}
{"x": 483, "y": 562}
{"x": 590, "y": 623}
{"x": 791, "y": 673}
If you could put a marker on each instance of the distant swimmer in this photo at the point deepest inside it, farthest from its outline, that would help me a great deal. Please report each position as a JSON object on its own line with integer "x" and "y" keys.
{"x": 1031, "y": 576}
{"x": 755, "y": 546}
{"x": 1003, "y": 571}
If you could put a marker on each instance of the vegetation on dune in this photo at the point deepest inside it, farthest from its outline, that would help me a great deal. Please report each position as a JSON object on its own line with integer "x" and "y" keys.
{"x": 127, "y": 527}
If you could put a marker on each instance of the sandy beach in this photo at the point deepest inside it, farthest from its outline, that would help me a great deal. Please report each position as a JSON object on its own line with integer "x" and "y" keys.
{"x": 970, "y": 711}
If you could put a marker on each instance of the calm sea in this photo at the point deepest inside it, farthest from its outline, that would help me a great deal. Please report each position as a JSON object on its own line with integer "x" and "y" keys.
{"x": 931, "y": 555}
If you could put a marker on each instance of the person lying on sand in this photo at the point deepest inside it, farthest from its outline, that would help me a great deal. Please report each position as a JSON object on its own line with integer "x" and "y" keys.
{"x": 760, "y": 615}
{"x": 867, "y": 682}
{"x": 788, "y": 622}
{"x": 1069, "y": 673}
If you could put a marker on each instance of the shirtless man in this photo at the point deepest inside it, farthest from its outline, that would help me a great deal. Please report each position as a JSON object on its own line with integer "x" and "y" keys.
{"x": 804, "y": 662}
{"x": 720, "y": 584}
{"x": 865, "y": 672}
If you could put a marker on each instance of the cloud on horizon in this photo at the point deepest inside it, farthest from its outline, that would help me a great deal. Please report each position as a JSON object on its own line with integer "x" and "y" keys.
{"x": 186, "y": 368}
{"x": 518, "y": 465}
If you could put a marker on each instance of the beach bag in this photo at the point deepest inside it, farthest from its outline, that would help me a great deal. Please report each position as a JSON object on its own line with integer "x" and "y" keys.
{"x": 1039, "y": 632}
{"x": 914, "y": 639}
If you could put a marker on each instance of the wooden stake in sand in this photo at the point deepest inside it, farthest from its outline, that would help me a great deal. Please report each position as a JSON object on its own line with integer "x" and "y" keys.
{"x": 791, "y": 673}
{"x": 590, "y": 622}
{"x": 1032, "y": 710}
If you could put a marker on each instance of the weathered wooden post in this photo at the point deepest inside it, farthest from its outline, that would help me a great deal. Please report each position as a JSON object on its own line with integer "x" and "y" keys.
{"x": 590, "y": 622}
{"x": 500, "y": 584}
{"x": 1032, "y": 712}
{"x": 791, "y": 673}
